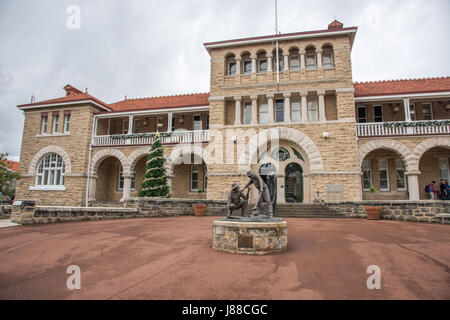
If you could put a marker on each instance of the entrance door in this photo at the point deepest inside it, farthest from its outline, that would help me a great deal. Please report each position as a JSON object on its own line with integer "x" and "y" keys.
{"x": 293, "y": 183}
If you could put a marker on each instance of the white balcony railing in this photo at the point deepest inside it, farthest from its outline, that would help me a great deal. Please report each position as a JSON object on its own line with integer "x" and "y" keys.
{"x": 414, "y": 128}
{"x": 175, "y": 137}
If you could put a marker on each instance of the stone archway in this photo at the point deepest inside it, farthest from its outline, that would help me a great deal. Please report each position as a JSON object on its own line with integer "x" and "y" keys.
{"x": 103, "y": 154}
{"x": 399, "y": 148}
{"x": 44, "y": 151}
{"x": 250, "y": 154}
{"x": 426, "y": 145}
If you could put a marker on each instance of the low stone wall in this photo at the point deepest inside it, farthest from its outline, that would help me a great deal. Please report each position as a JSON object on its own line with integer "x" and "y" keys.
{"x": 404, "y": 210}
{"x": 5, "y": 211}
{"x": 157, "y": 207}
{"x": 28, "y": 213}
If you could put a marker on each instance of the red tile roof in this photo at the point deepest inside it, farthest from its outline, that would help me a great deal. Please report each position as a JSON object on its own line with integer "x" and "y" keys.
{"x": 398, "y": 87}
{"x": 72, "y": 95}
{"x": 178, "y": 101}
{"x": 12, "y": 165}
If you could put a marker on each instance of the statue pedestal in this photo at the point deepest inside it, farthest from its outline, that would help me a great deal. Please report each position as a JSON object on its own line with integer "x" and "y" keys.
{"x": 249, "y": 237}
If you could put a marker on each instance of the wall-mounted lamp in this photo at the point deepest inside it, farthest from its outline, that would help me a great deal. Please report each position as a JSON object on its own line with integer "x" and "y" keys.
{"x": 234, "y": 139}
{"x": 448, "y": 106}
{"x": 182, "y": 119}
{"x": 325, "y": 135}
{"x": 396, "y": 109}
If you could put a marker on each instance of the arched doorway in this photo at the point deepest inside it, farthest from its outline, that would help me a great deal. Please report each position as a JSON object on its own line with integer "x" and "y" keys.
{"x": 293, "y": 181}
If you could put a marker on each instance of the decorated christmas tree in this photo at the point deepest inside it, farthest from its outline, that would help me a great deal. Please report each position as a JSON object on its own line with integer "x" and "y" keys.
{"x": 155, "y": 180}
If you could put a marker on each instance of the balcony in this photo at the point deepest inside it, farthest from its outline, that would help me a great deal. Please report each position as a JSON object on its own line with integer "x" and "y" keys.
{"x": 403, "y": 128}
{"x": 142, "y": 139}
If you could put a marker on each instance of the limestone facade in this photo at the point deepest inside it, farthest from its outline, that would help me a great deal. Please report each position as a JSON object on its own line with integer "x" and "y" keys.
{"x": 319, "y": 133}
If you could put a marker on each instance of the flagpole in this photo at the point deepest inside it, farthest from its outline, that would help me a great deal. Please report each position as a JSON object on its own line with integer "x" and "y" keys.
{"x": 276, "y": 33}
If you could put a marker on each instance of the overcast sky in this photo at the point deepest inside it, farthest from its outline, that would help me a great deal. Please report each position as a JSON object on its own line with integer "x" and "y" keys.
{"x": 152, "y": 48}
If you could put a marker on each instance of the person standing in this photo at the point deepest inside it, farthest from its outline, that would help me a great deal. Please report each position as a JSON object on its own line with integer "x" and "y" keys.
{"x": 447, "y": 186}
{"x": 432, "y": 190}
{"x": 442, "y": 190}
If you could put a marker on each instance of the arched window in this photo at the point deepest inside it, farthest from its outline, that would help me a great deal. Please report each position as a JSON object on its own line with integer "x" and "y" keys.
{"x": 311, "y": 58}
{"x": 246, "y": 63}
{"x": 294, "y": 60}
{"x": 230, "y": 65}
{"x": 280, "y": 59}
{"x": 50, "y": 171}
{"x": 327, "y": 57}
{"x": 262, "y": 62}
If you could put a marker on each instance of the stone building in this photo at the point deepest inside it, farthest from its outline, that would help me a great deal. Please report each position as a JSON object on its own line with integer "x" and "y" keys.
{"x": 308, "y": 124}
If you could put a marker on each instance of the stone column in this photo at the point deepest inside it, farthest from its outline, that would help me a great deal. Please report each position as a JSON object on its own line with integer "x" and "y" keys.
{"x": 92, "y": 187}
{"x": 286, "y": 62}
{"x": 319, "y": 58}
{"x": 413, "y": 185}
{"x": 270, "y": 110}
{"x": 254, "y": 109}
{"x": 237, "y": 112}
{"x": 304, "y": 106}
{"x": 321, "y": 95}
{"x": 130, "y": 124}
{"x": 287, "y": 106}
{"x": 253, "y": 63}
{"x": 269, "y": 63}
{"x": 238, "y": 65}
{"x": 169, "y": 121}
{"x": 302, "y": 60}
{"x": 407, "y": 111}
{"x": 126, "y": 186}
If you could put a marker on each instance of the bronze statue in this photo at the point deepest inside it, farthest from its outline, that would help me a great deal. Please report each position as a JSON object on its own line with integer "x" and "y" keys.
{"x": 263, "y": 196}
{"x": 237, "y": 200}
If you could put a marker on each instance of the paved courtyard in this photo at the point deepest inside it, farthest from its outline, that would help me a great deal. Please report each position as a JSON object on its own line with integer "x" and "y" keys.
{"x": 171, "y": 258}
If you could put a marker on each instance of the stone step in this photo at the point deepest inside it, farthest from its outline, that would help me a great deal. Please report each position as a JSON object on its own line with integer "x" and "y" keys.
{"x": 300, "y": 210}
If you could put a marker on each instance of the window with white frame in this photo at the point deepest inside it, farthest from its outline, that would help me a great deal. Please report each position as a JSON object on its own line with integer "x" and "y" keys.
{"x": 44, "y": 120}
{"x": 443, "y": 168}
{"x": 378, "y": 113}
{"x": 262, "y": 65}
{"x": 313, "y": 111}
{"x": 247, "y": 113}
{"x": 362, "y": 116}
{"x": 55, "y": 123}
{"x": 247, "y": 66}
{"x": 197, "y": 122}
{"x": 427, "y": 111}
{"x": 279, "y": 110}
{"x": 367, "y": 175}
{"x": 50, "y": 171}
{"x": 294, "y": 60}
{"x": 296, "y": 112}
{"x": 120, "y": 181}
{"x": 125, "y": 126}
{"x": 400, "y": 174}
{"x": 231, "y": 68}
{"x": 412, "y": 112}
{"x": 67, "y": 122}
{"x": 310, "y": 58}
{"x": 327, "y": 57}
{"x": 194, "y": 177}
{"x": 383, "y": 170}
{"x": 136, "y": 125}
{"x": 263, "y": 112}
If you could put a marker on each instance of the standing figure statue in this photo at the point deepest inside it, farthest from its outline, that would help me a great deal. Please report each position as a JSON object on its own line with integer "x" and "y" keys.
{"x": 263, "y": 193}
{"x": 237, "y": 200}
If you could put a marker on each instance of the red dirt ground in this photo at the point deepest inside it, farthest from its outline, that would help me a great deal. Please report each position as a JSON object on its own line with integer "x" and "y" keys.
{"x": 171, "y": 258}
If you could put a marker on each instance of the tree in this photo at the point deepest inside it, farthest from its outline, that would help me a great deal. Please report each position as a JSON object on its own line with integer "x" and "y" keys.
{"x": 7, "y": 175}
{"x": 155, "y": 179}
